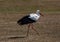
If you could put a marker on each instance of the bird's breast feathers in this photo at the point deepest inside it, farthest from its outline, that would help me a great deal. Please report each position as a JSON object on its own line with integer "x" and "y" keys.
{"x": 34, "y": 16}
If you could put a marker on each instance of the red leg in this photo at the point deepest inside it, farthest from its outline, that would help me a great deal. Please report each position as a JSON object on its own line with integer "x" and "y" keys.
{"x": 29, "y": 25}
{"x": 34, "y": 29}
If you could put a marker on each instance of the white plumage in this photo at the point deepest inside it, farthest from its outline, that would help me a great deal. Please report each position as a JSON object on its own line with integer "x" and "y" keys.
{"x": 34, "y": 16}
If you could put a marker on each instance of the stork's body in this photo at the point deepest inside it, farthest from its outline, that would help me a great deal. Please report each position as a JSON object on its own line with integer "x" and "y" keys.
{"x": 30, "y": 19}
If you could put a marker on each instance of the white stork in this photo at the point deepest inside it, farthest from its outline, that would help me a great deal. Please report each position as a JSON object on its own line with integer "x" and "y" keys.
{"x": 30, "y": 19}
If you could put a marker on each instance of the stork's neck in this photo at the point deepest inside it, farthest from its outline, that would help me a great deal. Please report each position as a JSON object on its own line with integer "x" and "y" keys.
{"x": 37, "y": 13}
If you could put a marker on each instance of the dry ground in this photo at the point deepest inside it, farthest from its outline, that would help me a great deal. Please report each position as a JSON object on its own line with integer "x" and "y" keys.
{"x": 48, "y": 26}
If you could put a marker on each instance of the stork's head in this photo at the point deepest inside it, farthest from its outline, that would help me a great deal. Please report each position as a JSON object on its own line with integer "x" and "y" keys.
{"x": 38, "y": 11}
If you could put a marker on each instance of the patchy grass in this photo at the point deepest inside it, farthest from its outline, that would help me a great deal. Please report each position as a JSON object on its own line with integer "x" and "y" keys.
{"x": 25, "y": 6}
